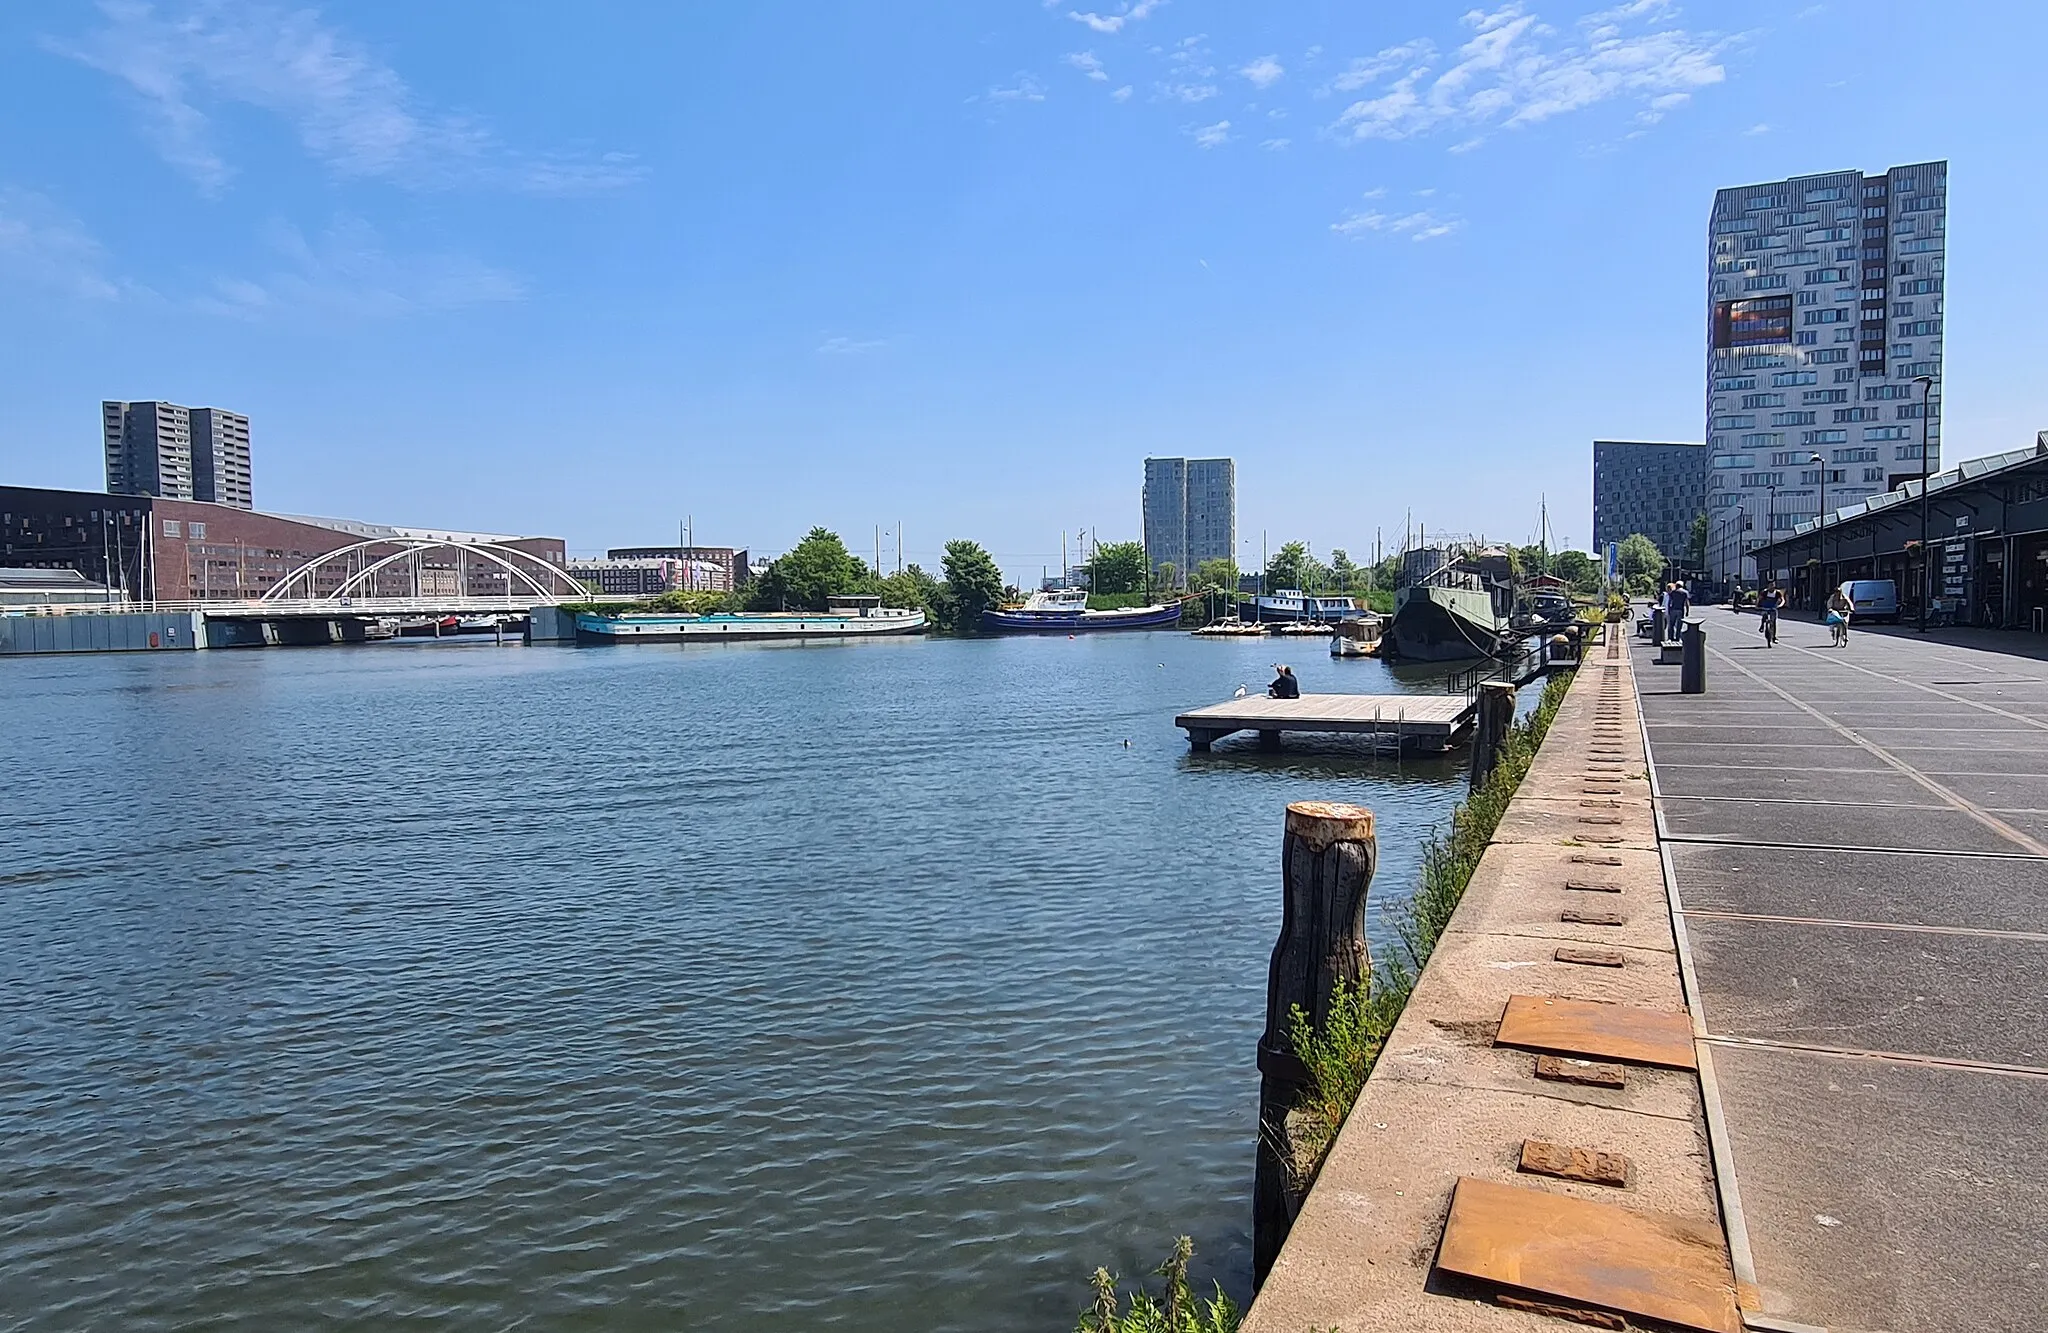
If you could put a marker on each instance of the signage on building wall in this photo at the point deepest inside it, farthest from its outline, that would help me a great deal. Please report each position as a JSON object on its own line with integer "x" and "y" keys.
{"x": 1955, "y": 568}
{"x": 1763, "y": 319}
{"x": 1613, "y": 560}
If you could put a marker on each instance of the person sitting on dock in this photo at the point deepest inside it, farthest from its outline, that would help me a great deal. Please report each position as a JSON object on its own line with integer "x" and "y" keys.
{"x": 1284, "y": 685}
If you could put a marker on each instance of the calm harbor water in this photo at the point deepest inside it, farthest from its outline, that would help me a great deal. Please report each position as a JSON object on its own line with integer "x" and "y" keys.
{"x": 868, "y": 987}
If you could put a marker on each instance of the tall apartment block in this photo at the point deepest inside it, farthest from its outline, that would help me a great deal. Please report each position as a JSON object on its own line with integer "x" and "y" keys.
{"x": 220, "y": 458}
{"x": 177, "y": 453}
{"x": 1824, "y": 337}
{"x": 149, "y": 449}
{"x": 1190, "y": 512}
{"x": 1653, "y": 488}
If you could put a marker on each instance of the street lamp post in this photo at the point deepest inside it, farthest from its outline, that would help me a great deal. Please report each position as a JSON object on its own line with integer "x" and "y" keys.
{"x": 1926, "y": 383}
{"x": 1821, "y": 538}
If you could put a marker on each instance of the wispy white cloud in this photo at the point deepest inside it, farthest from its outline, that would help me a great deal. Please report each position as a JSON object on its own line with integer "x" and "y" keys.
{"x": 1188, "y": 71}
{"x": 1364, "y": 70}
{"x": 841, "y": 345}
{"x": 1024, "y": 89}
{"x": 1417, "y": 226}
{"x": 1758, "y": 128}
{"x": 1209, "y": 136}
{"x": 1263, "y": 72}
{"x": 1516, "y": 70}
{"x": 46, "y": 249}
{"x": 1115, "y": 23}
{"x": 346, "y": 272}
{"x": 349, "y": 109}
{"x": 1122, "y": 94}
{"x": 1275, "y": 145}
{"x": 1089, "y": 64}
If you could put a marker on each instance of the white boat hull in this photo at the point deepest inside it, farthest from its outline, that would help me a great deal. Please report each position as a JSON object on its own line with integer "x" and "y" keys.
{"x": 653, "y": 628}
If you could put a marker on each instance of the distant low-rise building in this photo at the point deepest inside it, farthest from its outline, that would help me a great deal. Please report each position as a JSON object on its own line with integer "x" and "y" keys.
{"x": 648, "y": 576}
{"x": 709, "y": 568}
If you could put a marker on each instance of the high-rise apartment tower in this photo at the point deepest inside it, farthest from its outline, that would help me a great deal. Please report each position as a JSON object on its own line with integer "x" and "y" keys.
{"x": 220, "y": 457}
{"x": 177, "y": 453}
{"x": 1190, "y": 514}
{"x": 1824, "y": 298}
{"x": 1656, "y": 489}
{"x": 149, "y": 449}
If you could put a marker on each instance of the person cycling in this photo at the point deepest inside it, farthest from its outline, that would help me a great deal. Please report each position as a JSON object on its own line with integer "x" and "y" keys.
{"x": 1839, "y": 608}
{"x": 1767, "y": 607}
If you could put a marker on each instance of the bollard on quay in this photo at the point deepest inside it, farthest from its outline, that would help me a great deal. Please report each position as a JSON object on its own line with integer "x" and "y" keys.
{"x": 1692, "y": 659}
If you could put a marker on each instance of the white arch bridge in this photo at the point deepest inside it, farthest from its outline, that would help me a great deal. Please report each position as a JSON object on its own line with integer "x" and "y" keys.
{"x": 393, "y": 575}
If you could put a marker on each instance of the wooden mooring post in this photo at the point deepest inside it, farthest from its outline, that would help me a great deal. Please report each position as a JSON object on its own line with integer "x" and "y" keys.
{"x": 1490, "y": 725}
{"x": 1327, "y": 859}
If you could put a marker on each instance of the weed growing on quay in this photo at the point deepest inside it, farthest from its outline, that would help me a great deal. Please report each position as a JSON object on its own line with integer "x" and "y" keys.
{"x": 1340, "y": 1057}
{"x": 1174, "y": 1311}
{"x": 1341, "y": 1054}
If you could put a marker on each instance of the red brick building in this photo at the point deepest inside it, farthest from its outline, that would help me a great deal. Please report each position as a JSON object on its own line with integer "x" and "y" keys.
{"x": 186, "y": 550}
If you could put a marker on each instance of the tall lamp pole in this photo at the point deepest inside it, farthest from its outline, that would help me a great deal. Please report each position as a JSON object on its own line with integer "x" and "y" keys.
{"x": 1771, "y": 530}
{"x": 1926, "y": 383}
{"x": 1822, "y": 539}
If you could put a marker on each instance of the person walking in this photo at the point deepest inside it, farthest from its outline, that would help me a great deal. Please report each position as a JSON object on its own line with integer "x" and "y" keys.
{"x": 1677, "y": 604}
{"x": 1767, "y": 608}
{"x": 1839, "y": 607}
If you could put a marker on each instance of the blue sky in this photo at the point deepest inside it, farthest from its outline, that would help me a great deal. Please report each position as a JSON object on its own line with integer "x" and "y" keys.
{"x": 582, "y": 269}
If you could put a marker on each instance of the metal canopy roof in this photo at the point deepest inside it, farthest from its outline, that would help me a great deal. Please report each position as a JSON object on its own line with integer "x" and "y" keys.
{"x": 1975, "y": 469}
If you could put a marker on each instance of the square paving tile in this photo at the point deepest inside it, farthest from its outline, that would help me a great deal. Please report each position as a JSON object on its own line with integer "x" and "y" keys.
{"x": 1984, "y": 892}
{"x": 1886, "y": 1195}
{"x": 1959, "y": 997}
{"x": 1797, "y": 825}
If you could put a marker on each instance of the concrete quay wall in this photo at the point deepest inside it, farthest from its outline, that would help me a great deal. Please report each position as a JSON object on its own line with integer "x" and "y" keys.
{"x": 120, "y": 632}
{"x": 1444, "y": 1101}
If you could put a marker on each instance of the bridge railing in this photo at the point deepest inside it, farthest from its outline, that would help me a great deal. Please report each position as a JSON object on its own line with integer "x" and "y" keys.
{"x": 347, "y": 608}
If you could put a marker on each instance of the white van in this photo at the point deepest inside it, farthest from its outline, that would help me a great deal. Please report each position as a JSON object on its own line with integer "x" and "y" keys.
{"x": 1874, "y": 599}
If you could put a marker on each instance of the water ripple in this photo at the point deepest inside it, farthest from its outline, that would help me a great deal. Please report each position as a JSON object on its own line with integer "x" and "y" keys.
{"x": 874, "y": 987}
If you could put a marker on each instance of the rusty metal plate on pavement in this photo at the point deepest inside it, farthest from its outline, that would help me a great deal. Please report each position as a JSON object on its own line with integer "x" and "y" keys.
{"x": 1590, "y": 790}
{"x": 1577, "y": 1314}
{"x": 1600, "y": 805}
{"x": 1602, "y": 839}
{"x": 1585, "y": 1164}
{"x": 1586, "y": 1073}
{"x": 1592, "y": 886}
{"x": 1599, "y": 819}
{"x": 1573, "y": 916}
{"x": 1590, "y": 957}
{"x": 1655, "y": 1265}
{"x": 1591, "y": 1028}
{"x": 1593, "y": 859}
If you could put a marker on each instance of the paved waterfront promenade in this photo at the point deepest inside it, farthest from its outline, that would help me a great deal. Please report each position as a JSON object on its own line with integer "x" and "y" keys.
{"x": 1857, "y": 841}
{"x": 1567, "y": 907}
